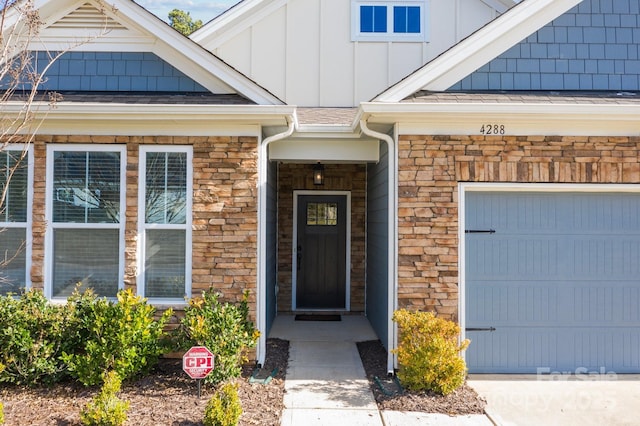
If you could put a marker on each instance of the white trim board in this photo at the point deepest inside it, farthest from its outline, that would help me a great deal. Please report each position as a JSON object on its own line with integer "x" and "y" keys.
{"x": 294, "y": 251}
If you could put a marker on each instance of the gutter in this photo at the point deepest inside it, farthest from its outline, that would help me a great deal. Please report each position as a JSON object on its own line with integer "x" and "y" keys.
{"x": 261, "y": 296}
{"x": 392, "y": 283}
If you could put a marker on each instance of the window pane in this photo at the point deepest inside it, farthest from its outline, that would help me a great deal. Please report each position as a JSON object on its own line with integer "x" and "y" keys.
{"x": 12, "y": 260}
{"x": 380, "y": 19}
{"x": 13, "y": 173}
{"x": 165, "y": 263}
{"x": 87, "y": 256}
{"x": 166, "y": 188}
{"x": 406, "y": 19}
{"x": 413, "y": 19}
{"x": 373, "y": 19}
{"x": 86, "y": 187}
{"x": 322, "y": 214}
{"x": 366, "y": 19}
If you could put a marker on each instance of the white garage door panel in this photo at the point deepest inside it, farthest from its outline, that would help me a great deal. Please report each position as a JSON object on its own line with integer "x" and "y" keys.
{"x": 559, "y": 280}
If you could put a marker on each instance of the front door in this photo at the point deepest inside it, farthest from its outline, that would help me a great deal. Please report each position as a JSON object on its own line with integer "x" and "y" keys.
{"x": 321, "y": 252}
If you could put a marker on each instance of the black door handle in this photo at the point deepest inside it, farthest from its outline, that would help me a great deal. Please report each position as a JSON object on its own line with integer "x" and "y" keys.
{"x": 299, "y": 257}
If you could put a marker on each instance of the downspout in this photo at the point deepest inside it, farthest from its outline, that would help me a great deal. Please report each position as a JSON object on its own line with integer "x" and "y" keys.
{"x": 261, "y": 302}
{"x": 392, "y": 284}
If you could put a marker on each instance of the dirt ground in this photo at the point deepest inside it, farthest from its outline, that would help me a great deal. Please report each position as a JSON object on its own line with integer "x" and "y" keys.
{"x": 170, "y": 397}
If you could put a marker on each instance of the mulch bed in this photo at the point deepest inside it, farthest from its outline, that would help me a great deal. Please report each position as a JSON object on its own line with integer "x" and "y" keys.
{"x": 464, "y": 400}
{"x": 169, "y": 397}
{"x": 166, "y": 397}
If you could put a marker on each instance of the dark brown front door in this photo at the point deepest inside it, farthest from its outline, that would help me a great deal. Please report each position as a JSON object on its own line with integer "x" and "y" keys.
{"x": 321, "y": 252}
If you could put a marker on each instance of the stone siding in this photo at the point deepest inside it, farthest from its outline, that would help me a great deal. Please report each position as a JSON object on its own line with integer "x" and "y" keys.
{"x": 224, "y": 231}
{"x": 430, "y": 168}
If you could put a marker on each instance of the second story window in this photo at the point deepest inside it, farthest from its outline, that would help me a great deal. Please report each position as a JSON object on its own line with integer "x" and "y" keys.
{"x": 376, "y": 20}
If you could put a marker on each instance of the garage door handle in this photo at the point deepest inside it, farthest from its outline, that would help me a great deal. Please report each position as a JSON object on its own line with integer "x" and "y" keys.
{"x": 480, "y": 231}
{"x": 481, "y": 329}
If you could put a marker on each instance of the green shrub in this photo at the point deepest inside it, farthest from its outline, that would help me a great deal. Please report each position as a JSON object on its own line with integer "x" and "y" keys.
{"x": 223, "y": 328}
{"x": 106, "y": 409}
{"x": 429, "y": 353}
{"x": 224, "y": 408}
{"x": 123, "y": 337}
{"x": 33, "y": 335}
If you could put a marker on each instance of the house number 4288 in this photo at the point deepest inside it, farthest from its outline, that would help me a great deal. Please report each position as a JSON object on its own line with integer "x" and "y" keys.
{"x": 492, "y": 129}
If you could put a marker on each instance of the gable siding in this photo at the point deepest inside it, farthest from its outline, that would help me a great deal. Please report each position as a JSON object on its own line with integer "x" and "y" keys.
{"x": 114, "y": 72}
{"x": 594, "y": 46}
{"x": 302, "y": 51}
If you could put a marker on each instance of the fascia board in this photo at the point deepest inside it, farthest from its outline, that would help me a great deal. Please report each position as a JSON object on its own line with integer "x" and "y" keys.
{"x": 520, "y": 118}
{"x": 156, "y": 120}
{"x": 199, "y": 58}
{"x": 186, "y": 55}
{"x": 229, "y": 21}
{"x": 117, "y": 117}
{"x": 152, "y": 111}
{"x": 479, "y": 48}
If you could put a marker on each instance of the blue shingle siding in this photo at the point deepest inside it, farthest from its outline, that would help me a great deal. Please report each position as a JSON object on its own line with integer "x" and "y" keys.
{"x": 594, "y": 46}
{"x": 114, "y": 72}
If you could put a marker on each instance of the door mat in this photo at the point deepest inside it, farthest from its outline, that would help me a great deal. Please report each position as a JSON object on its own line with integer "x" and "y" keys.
{"x": 305, "y": 317}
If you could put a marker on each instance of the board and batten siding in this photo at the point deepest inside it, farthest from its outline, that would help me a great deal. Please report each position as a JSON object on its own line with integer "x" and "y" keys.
{"x": 303, "y": 53}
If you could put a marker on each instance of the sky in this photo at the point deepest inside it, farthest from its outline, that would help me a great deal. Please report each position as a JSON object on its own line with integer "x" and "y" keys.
{"x": 204, "y": 10}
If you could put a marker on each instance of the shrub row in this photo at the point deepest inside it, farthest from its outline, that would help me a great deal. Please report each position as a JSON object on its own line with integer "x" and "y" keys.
{"x": 43, "y": 343}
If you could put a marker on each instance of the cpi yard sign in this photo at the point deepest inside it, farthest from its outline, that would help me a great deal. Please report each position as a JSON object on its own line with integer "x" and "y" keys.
{"x": 197, "y": 362}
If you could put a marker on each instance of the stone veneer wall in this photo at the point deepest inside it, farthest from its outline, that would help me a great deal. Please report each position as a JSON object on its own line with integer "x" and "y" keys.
{"x": 338, "y": 177}
{"x": 224, "y": 209}
{"x": 430, "y": 168}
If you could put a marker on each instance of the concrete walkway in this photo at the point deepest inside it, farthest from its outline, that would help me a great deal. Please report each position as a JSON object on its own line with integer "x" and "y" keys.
{"x": 326, "y": 383}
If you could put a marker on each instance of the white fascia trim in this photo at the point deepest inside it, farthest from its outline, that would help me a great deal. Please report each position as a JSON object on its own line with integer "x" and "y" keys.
{"x": 225, "y": 18}
{"x": 234, "y": 21}
{"x": 157, "y": 119}
{"x": 500, "y": 6}
{"x": 481, "y": 47}
{"x": 199, "y": 57}
{"x": 259, "y": 114}
{"x": 523, "y": 118}
{"x": 180, "y": 51}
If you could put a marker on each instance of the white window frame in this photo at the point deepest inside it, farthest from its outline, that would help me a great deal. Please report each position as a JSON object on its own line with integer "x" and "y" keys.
{"x": 143, "y": 227}
{"x": 51, "y": 225}
{"x": 27, "y": 226}
{"x": 390, "y": 35}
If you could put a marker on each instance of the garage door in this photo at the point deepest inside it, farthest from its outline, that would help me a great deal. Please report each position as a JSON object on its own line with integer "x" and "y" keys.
{"x": 552, "y": 282}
